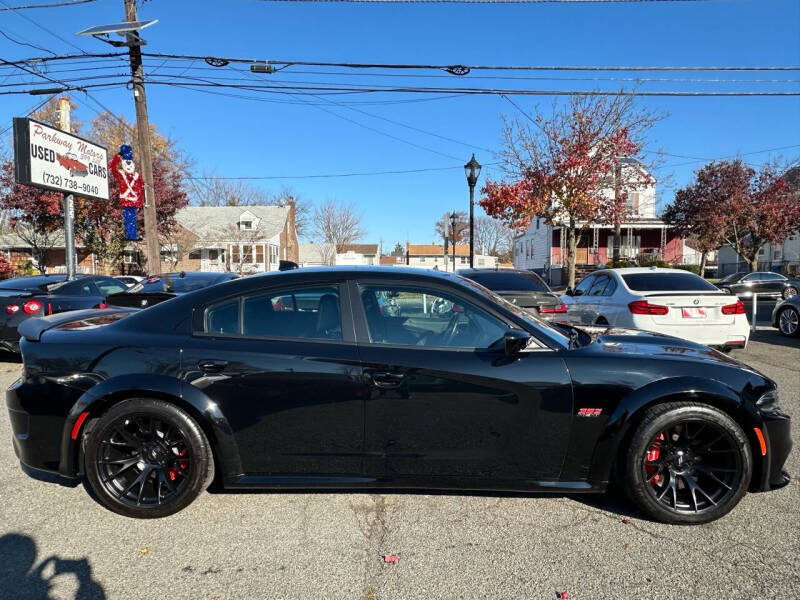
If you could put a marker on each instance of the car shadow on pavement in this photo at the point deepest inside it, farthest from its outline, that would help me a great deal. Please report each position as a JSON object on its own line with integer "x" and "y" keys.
{"x": 774, "y": 338}
{"x": 26, "y": 580}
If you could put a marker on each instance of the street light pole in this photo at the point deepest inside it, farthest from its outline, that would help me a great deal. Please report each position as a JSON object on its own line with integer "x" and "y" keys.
{"x": 472, "y": 170}
{"x": 453, "y": 221}
{"x": 153, "y": 250}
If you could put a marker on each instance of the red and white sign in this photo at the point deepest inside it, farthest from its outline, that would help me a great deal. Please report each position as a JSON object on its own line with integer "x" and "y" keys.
{"x": 48, "y": 158}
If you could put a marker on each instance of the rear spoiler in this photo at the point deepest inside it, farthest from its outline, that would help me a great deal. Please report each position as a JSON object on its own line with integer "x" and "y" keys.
{"x": 32, "y": 329}
{"x": 138, "y": 299}
{"x": 708, "y": 293}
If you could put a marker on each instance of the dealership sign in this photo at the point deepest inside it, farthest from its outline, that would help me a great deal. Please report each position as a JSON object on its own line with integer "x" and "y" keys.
{"x": 48, "y": 158}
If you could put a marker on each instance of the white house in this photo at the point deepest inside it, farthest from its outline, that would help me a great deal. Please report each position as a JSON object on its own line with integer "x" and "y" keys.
{"x": 432, "y": 256}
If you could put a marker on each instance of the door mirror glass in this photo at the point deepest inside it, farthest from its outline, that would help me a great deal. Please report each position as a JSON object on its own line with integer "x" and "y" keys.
{"x": 515, "y": 340}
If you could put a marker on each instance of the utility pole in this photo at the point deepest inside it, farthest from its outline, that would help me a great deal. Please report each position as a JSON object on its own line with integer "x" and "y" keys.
{"x": 69, "y": 201}
{"x": 617, "y": 210}
{"x": 153, "y": 250}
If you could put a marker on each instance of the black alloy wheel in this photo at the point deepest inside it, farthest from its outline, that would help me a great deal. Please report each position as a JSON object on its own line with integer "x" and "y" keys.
{"x": 688, "y": 463}
{"x": 789, "y": 322}
{"x": 146, "y": 458}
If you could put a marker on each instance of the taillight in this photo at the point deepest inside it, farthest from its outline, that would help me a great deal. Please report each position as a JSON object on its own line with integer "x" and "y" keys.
{"x": 560, "y": 309}
{"x": 12, "y": 309}
{"x": 102, "y": 305}
{"x": 733, "y": 309}
{"x": 32, "y": 307}
{"x": 643, "y": 307}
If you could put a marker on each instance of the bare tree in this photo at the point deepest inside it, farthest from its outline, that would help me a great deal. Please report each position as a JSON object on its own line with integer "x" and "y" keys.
{"x": 492, "y": 237}
{"x": 180, "y": 242}
{"x": 336, "y": 223}
{"x": 442, "y": 227}
{"x": 236, "y": 235}
{"x": 210, "y": 190}
{"x": 303, "y": 209}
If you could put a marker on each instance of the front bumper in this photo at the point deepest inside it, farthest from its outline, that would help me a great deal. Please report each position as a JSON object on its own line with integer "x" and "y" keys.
{"x": 778, "y": 437}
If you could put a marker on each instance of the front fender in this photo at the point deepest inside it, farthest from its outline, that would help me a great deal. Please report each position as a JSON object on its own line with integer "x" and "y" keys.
{"x": 621, "y": 423}
{"x": 204, "y": 410}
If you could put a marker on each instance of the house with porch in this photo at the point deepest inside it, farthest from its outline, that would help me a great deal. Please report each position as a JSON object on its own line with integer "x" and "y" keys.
{"x": 543, "y": 248}
{"x": 241, "y": 239}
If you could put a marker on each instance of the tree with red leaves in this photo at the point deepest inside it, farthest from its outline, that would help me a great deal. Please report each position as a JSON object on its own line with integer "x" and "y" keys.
{"x": 562, "y": 168}
{"x": 6, "y": 268}
{"x": 732, "y": 203}
{"x": 36, "y": 215}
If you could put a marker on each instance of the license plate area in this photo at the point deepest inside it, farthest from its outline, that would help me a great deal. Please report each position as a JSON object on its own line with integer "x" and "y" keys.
{"x": 693, "y": 312}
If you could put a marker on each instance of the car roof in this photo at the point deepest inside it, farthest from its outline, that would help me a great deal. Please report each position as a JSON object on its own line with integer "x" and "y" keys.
{"x": 468, "y": 272}
{"x": 632, "y": 270}
{"x": 361, "y": 271}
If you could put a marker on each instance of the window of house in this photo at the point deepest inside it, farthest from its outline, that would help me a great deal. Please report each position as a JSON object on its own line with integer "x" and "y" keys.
{"x": 260, "y": 254}
{"x": 247, "y": 225}
{"x": 422, "y": 259}
{"x": 777, "y": 254}
{"x": 311, "y": 312}
{"x": 762, "y": 251}
{"x": 273, "y": 255}
{"x": 197, "y": 254}
{"x": 632, "y": 202}
{"x": 537, "y": 222}
{"x": 464, "y": 260}
{"x": 212, "y": 254}
{"x": 129, "y": 257}
{"x": 412, "y": 316}
{"x": 247, "y": 253}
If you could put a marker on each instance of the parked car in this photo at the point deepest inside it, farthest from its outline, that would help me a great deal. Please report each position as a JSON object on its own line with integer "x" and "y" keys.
{"x": 237, "y": 384}
{"x": 129, "y": 280}
{"x": 24, "y": 297}
{"x": 158, "y": 288}
{"x": 522, "y": 288}
{"x": 669, "y": 301}
{"x": 745, "y": 285}
{"x": 786, "y": 316}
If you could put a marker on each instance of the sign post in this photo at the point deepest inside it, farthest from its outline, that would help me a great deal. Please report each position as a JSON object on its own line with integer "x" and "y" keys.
{"x": 50, "y": 159}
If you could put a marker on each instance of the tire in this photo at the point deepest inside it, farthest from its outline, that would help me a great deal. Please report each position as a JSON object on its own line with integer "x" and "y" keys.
{"x": 789, "y": 322}
{"x": 688, "y": 479}
{"x": 146, "y": 459}
{"x": 601, "y": 322}
{"x": 789, "y": 292}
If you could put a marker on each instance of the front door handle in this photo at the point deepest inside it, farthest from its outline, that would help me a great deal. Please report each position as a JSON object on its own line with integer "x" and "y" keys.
{"x": 212, "y": 365}
{"x": 387, "y": 380}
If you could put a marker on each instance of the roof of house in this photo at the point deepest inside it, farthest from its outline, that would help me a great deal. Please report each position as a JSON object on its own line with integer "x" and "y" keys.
{"x": 211, "y": 222}
{"x": 361, "y": 248}
{"x": 10, "y": 239}
{"x": 436, "y": 250}
{"x": 393, "y": 260}
{"x": 316, "y": 253}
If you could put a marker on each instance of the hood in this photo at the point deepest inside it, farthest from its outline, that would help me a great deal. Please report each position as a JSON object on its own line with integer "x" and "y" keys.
{"x": 530, "y": 299}
{"x": 657, "y": 345}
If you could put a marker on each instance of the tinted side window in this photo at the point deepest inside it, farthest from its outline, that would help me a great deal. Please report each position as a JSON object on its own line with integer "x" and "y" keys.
{"x": 310, "y": 312}
{"x": 223, "y": 318}
{"x": 408, "y": 316}
{"x": 584, "y": 285}
{"x": 109, "y": 286}
{"x": 611, "y": 287}
{"x": 75, "y": 288}
{"x": 752, "y": 277}
{"x": 599, "y": 286}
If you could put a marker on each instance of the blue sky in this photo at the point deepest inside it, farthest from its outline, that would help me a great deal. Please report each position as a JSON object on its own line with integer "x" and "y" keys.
{"x": 236, "y": 137}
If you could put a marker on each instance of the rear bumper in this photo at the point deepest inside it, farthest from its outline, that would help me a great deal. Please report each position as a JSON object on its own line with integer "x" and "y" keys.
{"x": 734, "y": 335}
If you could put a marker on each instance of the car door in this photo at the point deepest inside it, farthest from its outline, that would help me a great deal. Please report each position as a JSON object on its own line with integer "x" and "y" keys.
{"x": 577, "y": 307}
{"x": 773, "y": 283}
{"x": 748, "y": 285}
{"x": 283, "y": 366}
{"x": 444, "y": 401}
{"x": 593, "y": 299}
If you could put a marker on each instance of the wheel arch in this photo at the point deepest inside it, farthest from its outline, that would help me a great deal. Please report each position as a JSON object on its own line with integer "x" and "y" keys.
{"x": 110, "y": 392}
{"x": 622, "y": 423}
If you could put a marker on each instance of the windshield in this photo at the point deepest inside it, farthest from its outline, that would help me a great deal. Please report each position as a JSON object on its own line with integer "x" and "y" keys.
{"x": 667, "y": 282}
{"x": 499, "y": 280}
{"x": 557, "y": 335}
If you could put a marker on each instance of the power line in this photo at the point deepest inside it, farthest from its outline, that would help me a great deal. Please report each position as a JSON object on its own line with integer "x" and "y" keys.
{"x": 48, "y": 5}
{"x": 40, "y": 26}
{"x": 328, "y": 175}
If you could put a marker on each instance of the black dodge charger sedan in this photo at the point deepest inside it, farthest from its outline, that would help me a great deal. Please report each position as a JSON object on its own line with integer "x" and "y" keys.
{"x": 302, "y": 379}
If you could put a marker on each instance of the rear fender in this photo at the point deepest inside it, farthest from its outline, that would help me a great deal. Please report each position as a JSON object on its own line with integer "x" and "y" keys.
{"x": 622, "y": 423}
{"x": 148, "y": 385}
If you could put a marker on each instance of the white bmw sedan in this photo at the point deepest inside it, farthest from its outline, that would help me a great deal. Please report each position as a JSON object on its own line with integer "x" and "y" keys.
{"x": 668, "y": 301}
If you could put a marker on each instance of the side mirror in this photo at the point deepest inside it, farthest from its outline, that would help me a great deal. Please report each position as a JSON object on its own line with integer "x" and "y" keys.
{"x": 515, "y": 340}
{"x": 569, "y": 291}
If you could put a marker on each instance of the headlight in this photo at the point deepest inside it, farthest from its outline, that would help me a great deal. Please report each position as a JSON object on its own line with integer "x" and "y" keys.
{"x": 769, "y": 402}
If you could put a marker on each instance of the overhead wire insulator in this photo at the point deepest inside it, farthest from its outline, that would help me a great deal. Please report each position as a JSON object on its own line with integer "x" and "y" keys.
{"x": 458, "y": 70}
{"x": 264, "y": 67}
{"x": 217, "y": 62}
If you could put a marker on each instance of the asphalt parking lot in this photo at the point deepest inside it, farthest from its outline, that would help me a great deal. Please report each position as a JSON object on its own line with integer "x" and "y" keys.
{"x": 56, "y": 542}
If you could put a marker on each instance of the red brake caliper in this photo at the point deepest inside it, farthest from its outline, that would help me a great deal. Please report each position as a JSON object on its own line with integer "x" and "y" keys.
{"x": 184, "y": 464}
{"x": 653, "y": 452}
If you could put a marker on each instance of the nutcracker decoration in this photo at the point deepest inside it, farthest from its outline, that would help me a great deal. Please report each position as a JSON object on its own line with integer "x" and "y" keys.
{"x": 131, "y": 188}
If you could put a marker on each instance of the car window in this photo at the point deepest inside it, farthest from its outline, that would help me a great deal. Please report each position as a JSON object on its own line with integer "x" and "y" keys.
{"x": 732, "y": 278}
{"x": 35, "y": 283}
{"x": 772, "y": 277}
{"x": 505, "y": 281}
{"x": 412, "y": 316}
{"x": 752, "y": 277}
{"x": 109, "y": 286}
{"x": 599, "y": 285}
{"x": 611, "y": 287}
{"x": 309, "y": 312}
{"x": 583, "y": 287}
{"x": 660, "y": 281}
{"x": 223, "y": 318}
{"x": 79, "y": 287}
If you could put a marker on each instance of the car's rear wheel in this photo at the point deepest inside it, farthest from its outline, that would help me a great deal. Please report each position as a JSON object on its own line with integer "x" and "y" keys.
{"x": 687, "y": 463}
{"x": 789, "y": 322}
{"x": 147, "y": 458}
{"x": 789, "y": 292}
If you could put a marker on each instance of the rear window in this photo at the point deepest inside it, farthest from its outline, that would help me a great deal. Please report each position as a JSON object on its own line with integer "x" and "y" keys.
{"x": 667, "y": 282}
{"x": 497, "y": 280}
{"x": 176, "y": 283}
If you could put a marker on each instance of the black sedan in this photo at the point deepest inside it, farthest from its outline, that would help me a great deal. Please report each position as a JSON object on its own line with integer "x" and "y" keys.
{"x": 786, "y": 316}
{"x": 522, "y": 288}
{"x": 764, "y": 283}
{"x": 26, "y": 297}
{"x": 300, "y": 380}
{"x": 158, "y": 288}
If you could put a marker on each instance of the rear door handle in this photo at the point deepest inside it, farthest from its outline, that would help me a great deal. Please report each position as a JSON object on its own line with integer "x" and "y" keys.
{"x": 387, "y": 380}
{"x": 212, "y": 365}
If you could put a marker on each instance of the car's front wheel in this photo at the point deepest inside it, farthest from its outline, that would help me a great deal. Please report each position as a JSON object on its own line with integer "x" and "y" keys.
{"x": 146, "y": 458}
{"x": 789, "y": 321}
{"x": 687, "y": 463}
